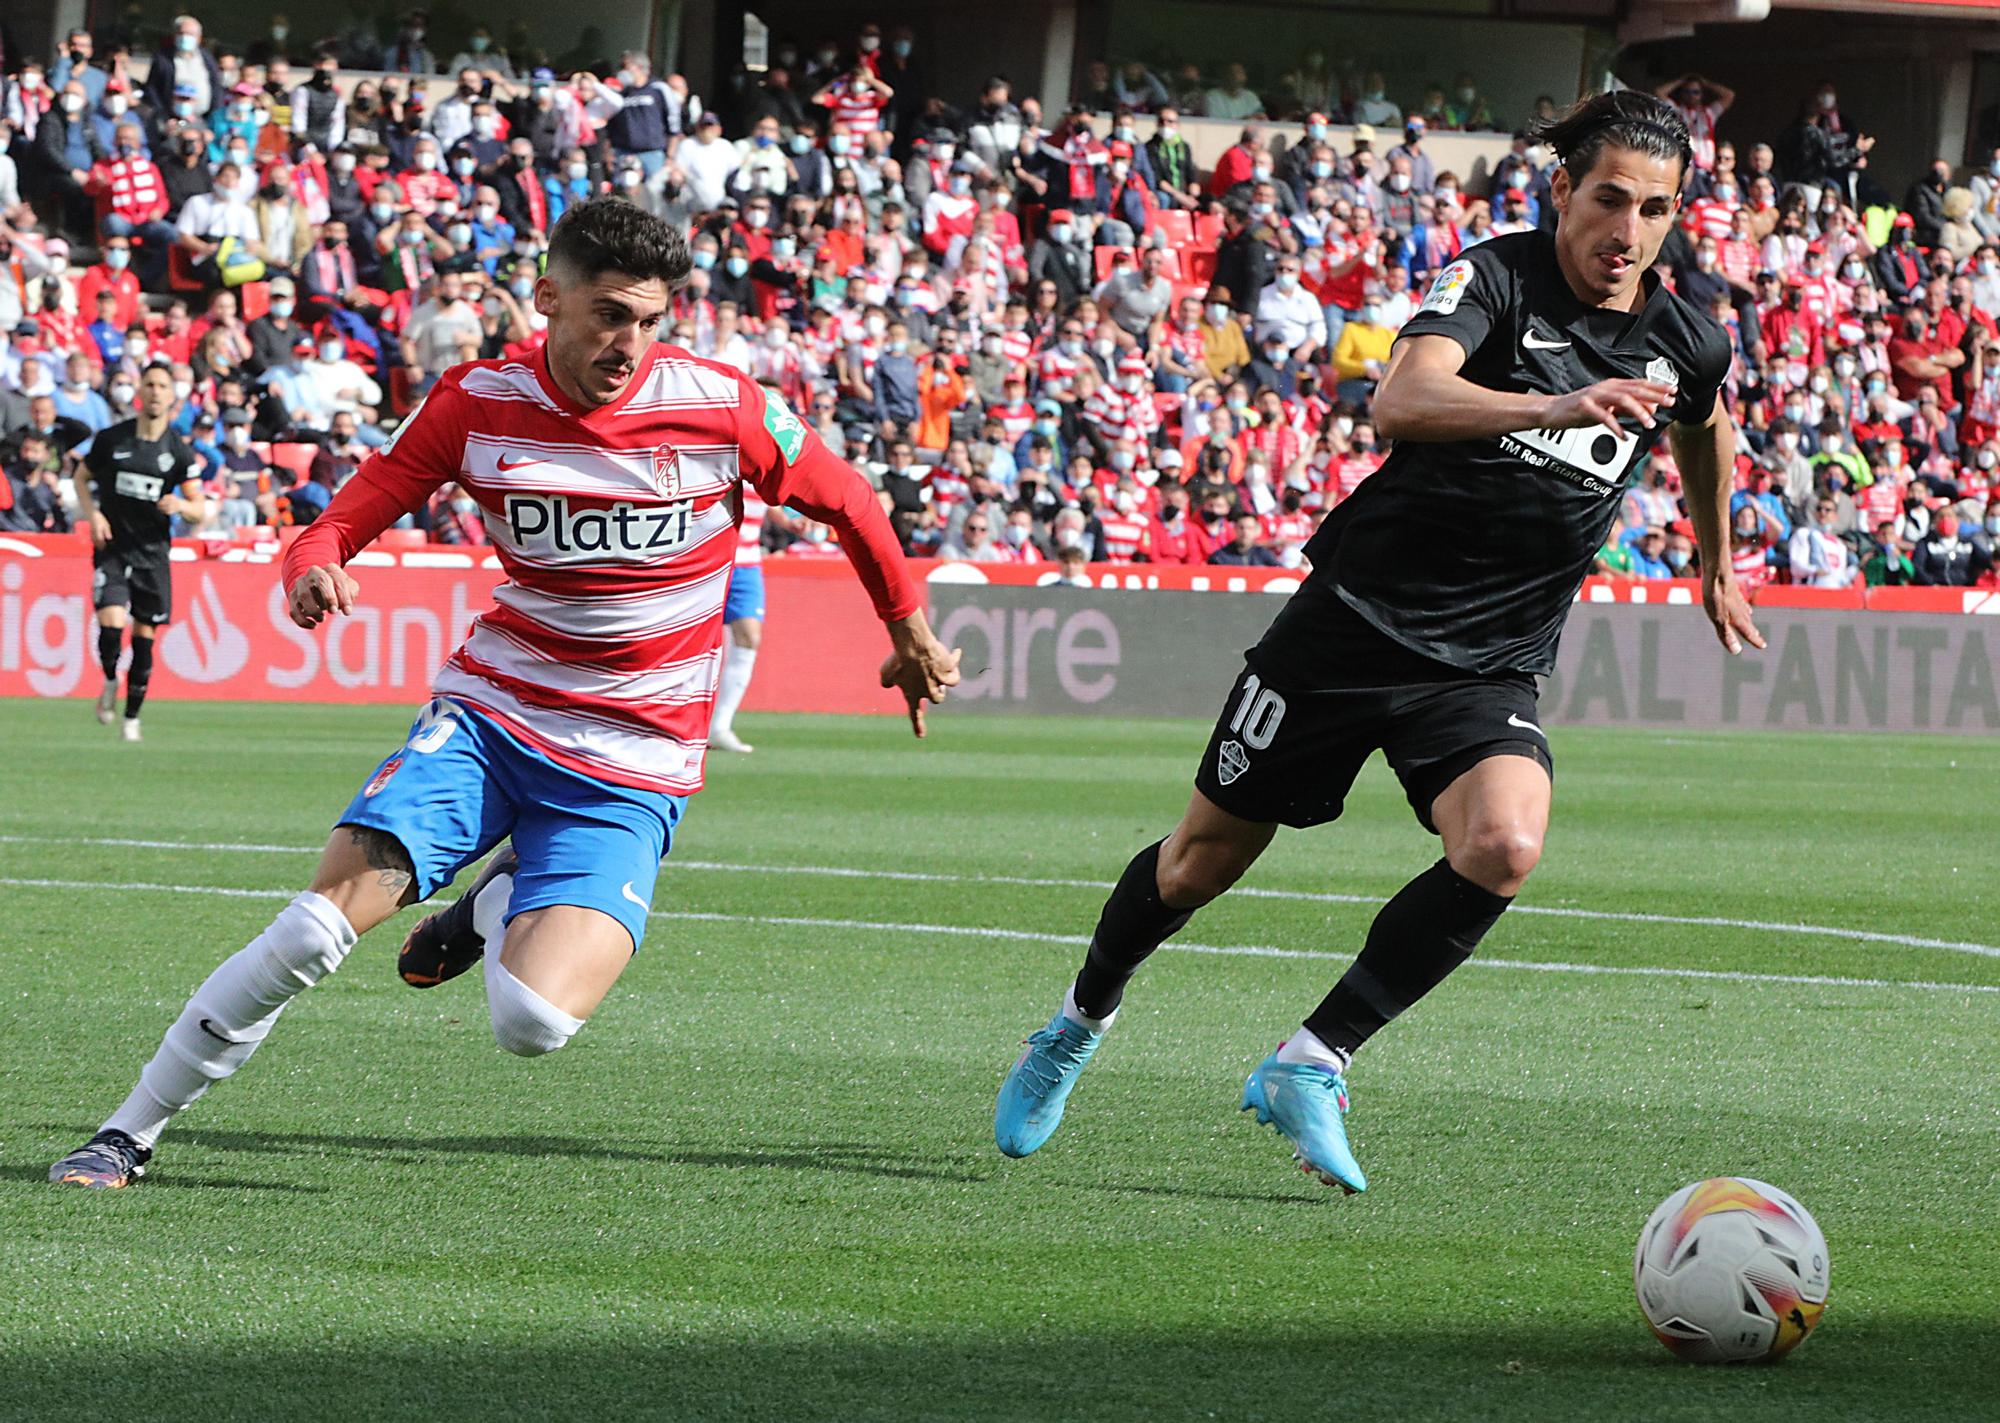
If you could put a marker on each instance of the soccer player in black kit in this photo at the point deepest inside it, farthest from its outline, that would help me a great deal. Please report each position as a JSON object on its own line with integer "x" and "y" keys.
{"x": 143, "y": 475}
{"x": 1522, "y": 395}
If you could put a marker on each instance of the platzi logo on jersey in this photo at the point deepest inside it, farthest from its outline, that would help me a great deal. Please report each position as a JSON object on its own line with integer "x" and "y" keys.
{"x": 549, "y": 530}
{"x": 784, "y": 427}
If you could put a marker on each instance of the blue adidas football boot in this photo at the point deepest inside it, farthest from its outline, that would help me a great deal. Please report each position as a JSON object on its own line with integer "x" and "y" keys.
{"x": 1031, "y": 1099}
{"x": 1304, "y": 1103}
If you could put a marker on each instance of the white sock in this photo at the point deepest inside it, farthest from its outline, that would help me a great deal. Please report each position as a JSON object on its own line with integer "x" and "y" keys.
{"x": 737, "y": 663}
{"x": 1077, "y": 1015}
{"x": 490, "y": 909}
{"x": 524, "y": 1022}
{"x": 233, "y": 1010}
{"x": 1305, "y": 1046}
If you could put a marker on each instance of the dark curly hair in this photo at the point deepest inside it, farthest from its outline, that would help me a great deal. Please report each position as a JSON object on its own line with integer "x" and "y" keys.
{"x": 611, "y": 235}
{"x": 1625, "y": 118}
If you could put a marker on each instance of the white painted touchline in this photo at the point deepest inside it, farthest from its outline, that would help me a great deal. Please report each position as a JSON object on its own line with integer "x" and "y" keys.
{"x": 1613, "y": 916}
{"x": 962, "y": 931}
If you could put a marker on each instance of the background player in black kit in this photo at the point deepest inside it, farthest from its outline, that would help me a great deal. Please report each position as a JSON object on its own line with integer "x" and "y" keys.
{"x": 136, "y": 477}
{"x": 1522, "y": 396}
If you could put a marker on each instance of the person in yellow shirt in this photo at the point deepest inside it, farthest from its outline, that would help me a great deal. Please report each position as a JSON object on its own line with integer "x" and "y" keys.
{"x": 1223, "y": 349}
{"x": 1363, "y": 352}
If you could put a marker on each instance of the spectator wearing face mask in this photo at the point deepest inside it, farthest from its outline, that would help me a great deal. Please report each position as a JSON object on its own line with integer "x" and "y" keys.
{"x": 131, "y": 199}
{"x": 1818, "y": 556}
{"x": 1899, "y": 270}
{"x": 1059, "y": 257}
{"x": 1920, "y": 356}
{"x": 284, "y": 227}
{"x": 182, "y": 63}
{"x": 1224, "y": 351}
{"x": 1363, "y": 352}
{"x": 1124, "y": 200}
{"x": 1289, "y": 314}
{"x": 1943, "y": 558}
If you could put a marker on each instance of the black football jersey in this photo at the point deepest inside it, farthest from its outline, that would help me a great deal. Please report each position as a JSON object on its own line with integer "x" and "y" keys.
{"x": 1470, "y": 552}
{"x": 131, "y": 476}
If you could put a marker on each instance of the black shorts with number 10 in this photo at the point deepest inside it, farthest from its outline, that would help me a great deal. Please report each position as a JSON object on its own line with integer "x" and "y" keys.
{"x": 1325, "y": 689}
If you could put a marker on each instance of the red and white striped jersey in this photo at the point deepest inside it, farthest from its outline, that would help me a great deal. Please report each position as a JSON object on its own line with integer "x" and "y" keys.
{"x": 750, "y": 528}
{"x": 1125, "y": 535}
{"x": 856, "y": 109}
{"x": 1016, "y": 418}
{"x": 1017, "y": 346}
{"x": 617, "y": 528}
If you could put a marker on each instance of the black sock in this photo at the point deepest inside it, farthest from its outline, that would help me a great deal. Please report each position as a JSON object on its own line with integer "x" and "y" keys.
{"x": 110, "y": 642}
{"x": 1135, "y": 921}
{"x": 1430, "y": 928}
{"x": 138, "y": 675}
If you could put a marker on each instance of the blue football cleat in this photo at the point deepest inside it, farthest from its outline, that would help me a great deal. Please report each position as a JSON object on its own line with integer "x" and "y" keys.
{"x": 1031, "y": 1099}
{"x": 1305, "y": 1104}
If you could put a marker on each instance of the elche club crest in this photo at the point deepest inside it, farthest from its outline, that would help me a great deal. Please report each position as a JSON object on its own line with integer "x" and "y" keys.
{"x": 1662, "y": 370}
{"x": 667, "y": 471}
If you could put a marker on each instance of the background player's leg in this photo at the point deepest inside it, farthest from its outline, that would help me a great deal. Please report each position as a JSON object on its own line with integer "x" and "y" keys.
{"x": 364, "y": 877}
{"x": 140, "y": 675}
{"x": 554, "y": 967}
{"x": 1492, "y": 819}
{"x": 739, "y": 659}
{"x": 1157, "y": 895}
{"x": 110, "y": 645}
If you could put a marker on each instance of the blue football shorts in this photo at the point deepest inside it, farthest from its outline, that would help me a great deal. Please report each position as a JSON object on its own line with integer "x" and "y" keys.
{"x": 746, "y": 594}
{"x": 460, "y": 785}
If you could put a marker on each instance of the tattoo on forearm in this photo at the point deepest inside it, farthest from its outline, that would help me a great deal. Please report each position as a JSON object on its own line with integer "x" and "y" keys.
{"x": 386, "y": 856}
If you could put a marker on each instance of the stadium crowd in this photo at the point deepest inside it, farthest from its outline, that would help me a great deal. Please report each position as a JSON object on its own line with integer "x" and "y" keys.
{"x": 1043, "y": 331}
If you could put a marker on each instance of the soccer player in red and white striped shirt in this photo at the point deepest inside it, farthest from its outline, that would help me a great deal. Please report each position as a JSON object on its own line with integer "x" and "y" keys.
{"x": 743, "y": 616}
{"x": 611, "y": 472}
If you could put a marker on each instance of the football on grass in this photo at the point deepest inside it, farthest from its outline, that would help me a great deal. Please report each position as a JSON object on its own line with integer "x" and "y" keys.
{"x": 1731, "y": 1270}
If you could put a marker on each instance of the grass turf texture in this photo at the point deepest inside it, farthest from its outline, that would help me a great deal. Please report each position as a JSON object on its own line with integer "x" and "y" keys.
{"x": 762, "y": 1183}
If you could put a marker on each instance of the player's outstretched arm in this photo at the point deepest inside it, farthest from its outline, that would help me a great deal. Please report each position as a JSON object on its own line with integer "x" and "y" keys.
{"x": 1705, "y": 452}
{"x": 1422, "y": 396}
{"x": 426, "y": 451}
{"x": 789, "y": 465}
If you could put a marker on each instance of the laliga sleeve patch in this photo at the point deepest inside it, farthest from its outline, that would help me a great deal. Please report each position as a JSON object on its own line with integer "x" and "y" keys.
{"x": 389, "y": 445}
{"x": 784, "y": 427}
{"x": 1448, "y": 289}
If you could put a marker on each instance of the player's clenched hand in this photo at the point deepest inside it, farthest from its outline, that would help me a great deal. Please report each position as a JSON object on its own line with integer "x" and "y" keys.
{"x": 100, "y": 528}
{"x": 1603, "y": 403}
{"x": 920, "y": 667}
{"x": 321, "y": 592}
{"x": 1729, "y": 610}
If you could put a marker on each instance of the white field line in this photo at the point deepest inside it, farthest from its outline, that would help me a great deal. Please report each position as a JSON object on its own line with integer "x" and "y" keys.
{"x": 961, "y": 931}
{"x": 1703, "y": 921}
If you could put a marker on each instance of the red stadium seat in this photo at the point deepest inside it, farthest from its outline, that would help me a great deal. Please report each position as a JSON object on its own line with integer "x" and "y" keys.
{"x": 1199, "y": 265}
{"x": 253, "y": 299}
{"x": 295, "y": 456}
{"x": 1172, "y": 267}
{"x": 400, "y": 395}
{"x": 1208, "y": 230}
{"x": 180, "y": 271}
{"x": 1176, "y": 226}
{"x": 392, "y": 539}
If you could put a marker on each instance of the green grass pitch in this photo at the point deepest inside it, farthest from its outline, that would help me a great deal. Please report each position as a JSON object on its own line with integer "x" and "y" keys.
{"x": 762, "y": 1185}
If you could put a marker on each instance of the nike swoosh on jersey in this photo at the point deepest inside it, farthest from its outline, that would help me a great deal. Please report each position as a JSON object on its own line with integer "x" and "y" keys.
{"x": 626, "y": 890}
{"x": 505, "y": 466}
{"x": 1513, "y": 720}
{"x": 1532, "y": 344}
{"x": 209, "y": 1027}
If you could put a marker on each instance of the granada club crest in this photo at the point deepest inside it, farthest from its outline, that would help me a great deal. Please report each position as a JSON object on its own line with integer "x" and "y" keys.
{"x": 381, "y": 777}
{"x": 667, "y": 471}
